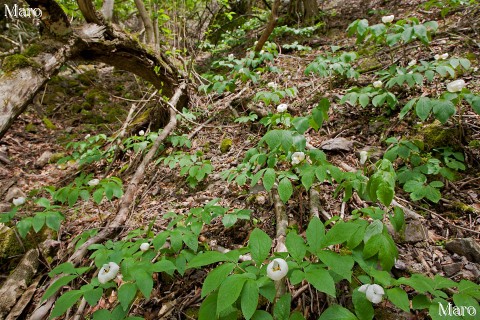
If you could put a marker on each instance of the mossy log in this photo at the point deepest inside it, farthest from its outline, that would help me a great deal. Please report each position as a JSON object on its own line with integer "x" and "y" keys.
{"x": 94, "y": 41}
{"x": 18, "y": 281}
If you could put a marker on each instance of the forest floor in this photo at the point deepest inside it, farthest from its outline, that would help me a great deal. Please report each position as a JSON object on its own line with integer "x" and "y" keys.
{"x": 92, "y": 99}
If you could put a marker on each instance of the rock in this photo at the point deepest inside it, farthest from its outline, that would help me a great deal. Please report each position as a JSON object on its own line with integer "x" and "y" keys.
{"x": 43, "y": 159}
{"x": 452, "y": 268}
{"x": 14, "y": 192}
{"x": 337, "y": 144}
{"x": 467, "y": 247}
{"x": 415, "y": 231}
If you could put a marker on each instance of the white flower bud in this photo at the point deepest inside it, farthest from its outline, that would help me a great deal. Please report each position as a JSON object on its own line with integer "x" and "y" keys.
{"x": 145, "y": 246}
{"x": 297, "y": 157}
{"x": 375, "y": 293}
{"x": 277, "y": 269}
{"x": 141, "y": 133}
{"x": 93, "y": 182}
{"x": 363, "y": 157}
{"x": 444, "y": 56}
{"x": 87, "y": 136}
{"x": 282, "y": 107}
{"x": 412, "y": 63}
{"x": 456, "y": 86}
{"x": 108, "y": 272}
{"x": 18, "y": 201}
{"x": 436, "y": 57}
{"x": 272, "y": 85}
{"x": 378, "y": 84}
{"x": 388, "y": 19}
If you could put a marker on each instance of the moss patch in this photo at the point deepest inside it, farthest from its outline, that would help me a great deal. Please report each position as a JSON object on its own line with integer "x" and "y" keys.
{"x": 16, "y": 61}
{"x": 48, "y": 124}
{"x": 33, "y": 50}
{"x": 225, "y": 145}
{"x": 435, "y": 135}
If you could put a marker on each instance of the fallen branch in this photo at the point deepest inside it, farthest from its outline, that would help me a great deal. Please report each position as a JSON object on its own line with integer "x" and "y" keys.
{"x": 18, "y": 281}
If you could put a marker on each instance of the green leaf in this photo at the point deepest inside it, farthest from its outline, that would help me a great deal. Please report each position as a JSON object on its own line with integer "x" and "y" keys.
{"x": 321, "y": 280}
{"x": 364, "y": 99}
{"x": 281, "y": 311}
{"x": 53, "y": 220}
{"x": 259, "y": 244}
{"x": 296, "y": 316}
{"x": 249, "y": 299}
{"x": 385, "y": 193}
{"x": 340, "y": 232}
{"x": 285, "y": 189}
{"x": 208, "y": 308}
{"x": 423, "y": 108}
{"x": 206, "y": 258}
{"x": 470, "y": 305}
{"x": 262, "y": 315}
{"x": 66, "y": 301}
{"x": 57, "y": 285}
{"x": 385, "y": 247}
{"x": 73, "y": 196}
{"x": 399, "y": 298}
{"x": 336, "y": 312}
{"x": 269, "y": 178}
{"x": 296, "y": 246}
{"x": 301, "y": 124}
{"x": 24, "y": 226}
{"x": 229, "y": 291}
{"x": 93, "y": 295}
{"x": 229, "y": 220}
{"x": 315, "y": 234}
{"x": 474, "y": 101}
{"x": 144, "y": 282}
{"x": 38, "y": 221}
{"x": 398, "y": 219}
{"x": 363, "y": 307}
{"x": 215, "y": 278}
{"x": 126, "y": 294}
{"x": 98, "y": 195}
{"x": 421, "y": 33}
{"x": 341, "y": 265}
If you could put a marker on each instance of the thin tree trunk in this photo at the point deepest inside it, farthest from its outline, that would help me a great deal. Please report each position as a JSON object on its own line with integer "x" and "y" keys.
{"x": 147, "y": 22}
{"x": 270, "y": 26}
{"x": 107, "y": 9}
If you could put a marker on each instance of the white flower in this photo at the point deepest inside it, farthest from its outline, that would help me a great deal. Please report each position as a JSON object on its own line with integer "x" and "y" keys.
{"x": 277, "y": 269}
{"x": 282, "y": 107}
{"x": 412, "y": 63}
{"x": 272, "y": 85}
{"x": 456, "y": 86}
{"x": 388, "y": 19}
{"x": 18, "y": 201}
{"x": 93, "y": 182}
{"x": 87, "y": 136}
{"x": 363, "y": 157}
{"x": 441, "y": 56}
{"x": 231, "y": 56}
{"x": 145, "y": 246}
{"x": 141, "y": 133}
{"x": 108, "y": 272}
{"x": 475, "y": 69}
{"x": 297, "y": 157}
{"x": 378, "y": 84}
{"x": 374, "y": 292}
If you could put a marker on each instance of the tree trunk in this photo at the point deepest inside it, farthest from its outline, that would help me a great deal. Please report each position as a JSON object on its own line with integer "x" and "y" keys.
{"x": 270, "y": 26}
{"x": 147, "y": 22}
{"x": 93, "y": 42}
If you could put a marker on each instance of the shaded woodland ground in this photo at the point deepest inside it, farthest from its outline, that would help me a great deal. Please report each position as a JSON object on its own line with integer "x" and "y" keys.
{"x": 86, "y": 106}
